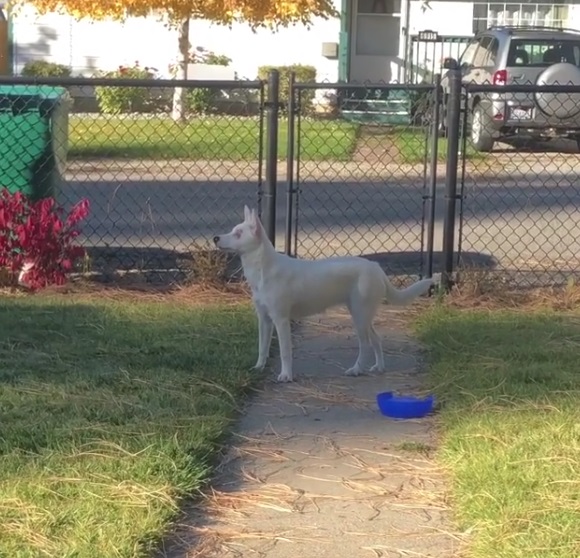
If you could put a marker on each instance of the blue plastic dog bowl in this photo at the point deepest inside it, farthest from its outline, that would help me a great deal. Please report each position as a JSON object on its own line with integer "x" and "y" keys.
{"x": 404, "y": 407}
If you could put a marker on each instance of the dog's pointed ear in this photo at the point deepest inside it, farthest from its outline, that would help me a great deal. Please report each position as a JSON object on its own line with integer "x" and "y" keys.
{"x": 247, "y": 213}
{"x": 255, "y": 223}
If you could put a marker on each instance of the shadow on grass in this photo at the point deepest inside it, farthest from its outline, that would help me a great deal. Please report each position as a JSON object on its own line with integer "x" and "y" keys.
{"x": 111, "y": 412}
{"x": 509, "y": 386}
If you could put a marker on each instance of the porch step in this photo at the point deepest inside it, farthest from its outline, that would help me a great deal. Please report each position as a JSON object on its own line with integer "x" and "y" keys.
{"x": 376, "y": 94}
{"x": 389, "y": 105}
{"x": 376, "y": 118}
{"x": 386, "y": 111}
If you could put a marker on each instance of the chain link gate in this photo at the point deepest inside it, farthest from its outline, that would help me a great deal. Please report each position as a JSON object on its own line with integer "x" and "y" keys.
{"x": 362, "y": 173}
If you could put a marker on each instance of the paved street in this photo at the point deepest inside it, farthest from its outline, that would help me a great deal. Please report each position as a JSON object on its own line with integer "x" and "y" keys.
{"x": 521, "y": 211}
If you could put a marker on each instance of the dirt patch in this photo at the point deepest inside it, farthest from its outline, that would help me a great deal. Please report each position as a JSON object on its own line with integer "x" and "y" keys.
{"x": 376, "y": 145}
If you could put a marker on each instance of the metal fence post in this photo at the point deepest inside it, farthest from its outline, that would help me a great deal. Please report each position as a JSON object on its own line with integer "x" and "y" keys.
{"x": 433, "y": 171}
{"x": 453, "y": 127}
{"x": 272, "y": 108}
{"x": 290, "y": 164}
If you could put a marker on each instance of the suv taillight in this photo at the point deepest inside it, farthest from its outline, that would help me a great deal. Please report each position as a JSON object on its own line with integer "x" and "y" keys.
{"x": 500, "y": 77}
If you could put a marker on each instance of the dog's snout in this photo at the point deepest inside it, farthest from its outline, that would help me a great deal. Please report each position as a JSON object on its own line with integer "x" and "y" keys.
{"x": 216, "y": 239}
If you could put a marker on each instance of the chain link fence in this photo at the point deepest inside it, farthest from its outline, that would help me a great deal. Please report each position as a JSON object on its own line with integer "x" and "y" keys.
{"x": 421, "y": 178}
{"x": 520, "y": 193}
{"x": 159, "y": 187}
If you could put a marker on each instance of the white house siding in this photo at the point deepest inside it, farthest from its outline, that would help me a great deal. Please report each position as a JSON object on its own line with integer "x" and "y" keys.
{"x": 249, "y": 50}
{"x": 574, "y": 16}
{"x": 447, "y": 18}
{"x": 89, "y": 46}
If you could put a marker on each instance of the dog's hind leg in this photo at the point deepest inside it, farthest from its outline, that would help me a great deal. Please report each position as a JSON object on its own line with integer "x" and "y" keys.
{"x": 285, "y": 343}
{"x": 379, "y": 365}
{"x": 361, "y": 326}
{"x": 265, "y": 330}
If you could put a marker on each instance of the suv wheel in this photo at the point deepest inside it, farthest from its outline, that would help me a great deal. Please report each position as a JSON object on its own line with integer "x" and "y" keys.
{"x": 481, "y": 137}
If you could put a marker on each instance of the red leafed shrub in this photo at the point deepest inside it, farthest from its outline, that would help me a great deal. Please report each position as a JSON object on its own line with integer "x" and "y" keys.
{"x": 36, "y": 236}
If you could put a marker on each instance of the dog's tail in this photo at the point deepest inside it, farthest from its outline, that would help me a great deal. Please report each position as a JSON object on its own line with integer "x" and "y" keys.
{"x": 404, "y": 296}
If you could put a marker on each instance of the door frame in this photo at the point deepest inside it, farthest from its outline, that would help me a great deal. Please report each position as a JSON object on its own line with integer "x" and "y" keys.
{"x": 344, "y": 40}
{"x": 347, "y": 40}
{"x": 6, "y": 65}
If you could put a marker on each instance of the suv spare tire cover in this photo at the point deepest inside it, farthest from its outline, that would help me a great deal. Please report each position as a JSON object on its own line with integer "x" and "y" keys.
{"x": 560, "y": 105}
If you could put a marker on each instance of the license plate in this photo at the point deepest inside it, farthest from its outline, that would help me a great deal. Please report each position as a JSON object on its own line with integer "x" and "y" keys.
{"x": 521, "y": 113}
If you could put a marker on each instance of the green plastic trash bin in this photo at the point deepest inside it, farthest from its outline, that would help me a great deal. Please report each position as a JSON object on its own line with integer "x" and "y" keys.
{"x": 33, "y": 138}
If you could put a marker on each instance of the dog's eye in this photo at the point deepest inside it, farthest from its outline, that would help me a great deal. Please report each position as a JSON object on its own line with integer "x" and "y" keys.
{"x": 237, "y": 234}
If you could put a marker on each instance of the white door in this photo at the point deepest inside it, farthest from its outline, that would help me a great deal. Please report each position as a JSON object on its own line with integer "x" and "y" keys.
{"x": 375, "y": 41}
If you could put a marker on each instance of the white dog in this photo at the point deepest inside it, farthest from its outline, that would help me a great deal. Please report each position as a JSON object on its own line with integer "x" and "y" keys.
{"x": 285, "y": 288}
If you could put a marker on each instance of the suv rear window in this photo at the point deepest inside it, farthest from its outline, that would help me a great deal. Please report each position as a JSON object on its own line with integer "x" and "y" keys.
{"x": 543, "y": 52}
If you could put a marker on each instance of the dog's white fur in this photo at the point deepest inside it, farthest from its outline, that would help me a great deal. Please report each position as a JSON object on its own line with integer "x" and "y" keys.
{"x": 285, "y": 288}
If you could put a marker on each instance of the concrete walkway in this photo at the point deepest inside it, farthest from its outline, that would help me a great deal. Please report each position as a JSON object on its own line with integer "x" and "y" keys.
{"x": 317, "y": 472}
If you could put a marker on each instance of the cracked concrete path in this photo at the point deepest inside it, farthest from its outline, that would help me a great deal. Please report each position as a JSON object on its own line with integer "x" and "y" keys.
{"x": 315, "y": 471}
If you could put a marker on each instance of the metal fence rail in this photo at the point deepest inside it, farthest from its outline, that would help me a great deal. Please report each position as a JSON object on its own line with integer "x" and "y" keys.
{"x": 427, "y": 50}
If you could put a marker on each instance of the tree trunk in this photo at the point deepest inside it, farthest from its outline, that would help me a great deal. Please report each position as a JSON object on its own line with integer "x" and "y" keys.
{"x": 178, "y": 112}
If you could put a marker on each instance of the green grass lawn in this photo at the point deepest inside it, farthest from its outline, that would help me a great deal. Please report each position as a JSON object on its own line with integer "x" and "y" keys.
{"x": 110, "y": 412}
{"x": 412, "y": 147}
{"x": 218, "y": 138}
{"x": 510, "y": 387}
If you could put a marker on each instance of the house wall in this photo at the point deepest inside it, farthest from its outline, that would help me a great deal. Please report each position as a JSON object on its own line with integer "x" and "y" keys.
{"x": 88, "y": 46}
{"x": 456, "y": 18}
{"x": 435, "y": 16}
{"x": 446, "y": 18}
{"x": 574, "y": 16}
{"x": 449, "y": 18}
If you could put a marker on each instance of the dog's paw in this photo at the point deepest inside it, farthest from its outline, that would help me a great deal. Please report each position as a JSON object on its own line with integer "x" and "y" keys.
{"x": 354, "y": 371}
{"x": 284, "y": 377}
{"x": 376, "y": 368}
{"x": 259, "y": 366}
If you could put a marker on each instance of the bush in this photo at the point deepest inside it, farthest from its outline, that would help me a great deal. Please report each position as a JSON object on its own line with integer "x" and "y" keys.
{"x": 41, "y": 68}
{"x": 118, "y": 100}
{"x": 303, "y": 74}
{"x": 37, "y": 242}
{"x": 205, "y": 100}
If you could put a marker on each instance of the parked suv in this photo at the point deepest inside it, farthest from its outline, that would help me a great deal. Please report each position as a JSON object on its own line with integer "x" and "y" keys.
{"x": 520, "y": 55}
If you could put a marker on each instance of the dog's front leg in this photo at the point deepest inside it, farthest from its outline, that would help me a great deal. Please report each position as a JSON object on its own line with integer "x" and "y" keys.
{"x": 265, "y": 330}
{"x": 285, "y": 344}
